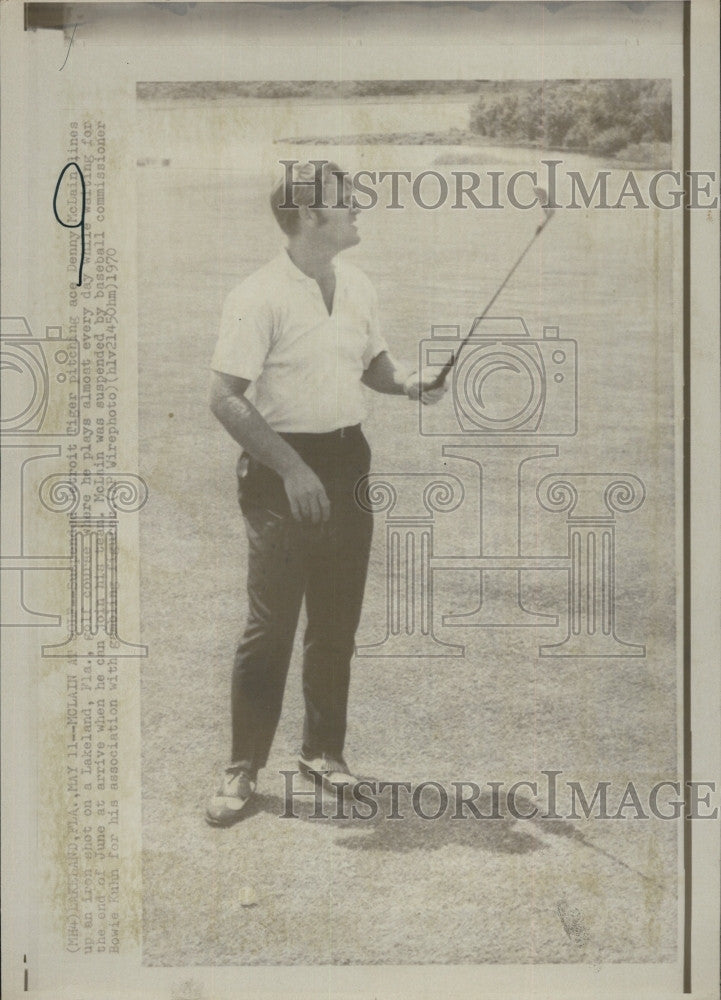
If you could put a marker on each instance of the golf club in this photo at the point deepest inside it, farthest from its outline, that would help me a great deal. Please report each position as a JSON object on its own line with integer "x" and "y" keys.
{"x": 440, "y": 379}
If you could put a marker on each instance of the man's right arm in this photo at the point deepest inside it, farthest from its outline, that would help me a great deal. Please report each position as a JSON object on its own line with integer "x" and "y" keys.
{"x": 228, "y": 402}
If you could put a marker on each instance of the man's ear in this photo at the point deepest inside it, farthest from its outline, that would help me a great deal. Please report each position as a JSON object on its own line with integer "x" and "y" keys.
{"x": 307, "y": 216}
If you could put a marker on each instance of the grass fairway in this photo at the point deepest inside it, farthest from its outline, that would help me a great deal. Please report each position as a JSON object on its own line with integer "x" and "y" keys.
{"x": 413, "y": 891}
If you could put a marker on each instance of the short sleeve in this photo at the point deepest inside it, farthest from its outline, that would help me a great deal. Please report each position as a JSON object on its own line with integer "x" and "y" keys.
{"x": 376, "y": 341}
{"x": 246, "y": 329}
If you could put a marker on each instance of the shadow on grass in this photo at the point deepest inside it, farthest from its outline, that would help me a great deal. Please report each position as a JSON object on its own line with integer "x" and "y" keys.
{"x": 408, "y": 831}
{"x": 412, "y": 833}
{"x": 495, "y": 831}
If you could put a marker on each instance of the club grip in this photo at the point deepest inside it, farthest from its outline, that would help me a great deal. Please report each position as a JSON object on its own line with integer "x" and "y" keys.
{"x": 442, "y": 375}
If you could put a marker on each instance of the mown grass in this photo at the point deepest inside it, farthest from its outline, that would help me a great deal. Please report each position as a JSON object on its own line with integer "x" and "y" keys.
{"x": 413, "y": 891}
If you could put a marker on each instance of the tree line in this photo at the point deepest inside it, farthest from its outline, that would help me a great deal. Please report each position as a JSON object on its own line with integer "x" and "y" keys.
{"x": 595, "y": 116}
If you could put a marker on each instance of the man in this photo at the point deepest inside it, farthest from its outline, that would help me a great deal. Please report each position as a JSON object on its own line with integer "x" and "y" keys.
{"x": 297, "y": 339}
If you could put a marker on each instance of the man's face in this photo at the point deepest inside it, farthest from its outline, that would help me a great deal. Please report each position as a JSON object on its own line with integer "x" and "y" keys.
{"x": 335, "y": 226}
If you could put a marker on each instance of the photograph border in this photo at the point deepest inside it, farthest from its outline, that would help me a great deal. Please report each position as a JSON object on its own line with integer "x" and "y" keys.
{"x": 701, "y": 686}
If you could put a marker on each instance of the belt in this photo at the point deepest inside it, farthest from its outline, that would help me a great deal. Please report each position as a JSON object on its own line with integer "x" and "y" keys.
{"x": 337, "y": 435}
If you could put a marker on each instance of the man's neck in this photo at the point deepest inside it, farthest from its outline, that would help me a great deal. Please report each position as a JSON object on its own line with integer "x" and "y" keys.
{"x": 309, "y": 259}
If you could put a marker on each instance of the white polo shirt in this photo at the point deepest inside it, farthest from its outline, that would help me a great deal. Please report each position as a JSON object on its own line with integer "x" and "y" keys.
{"x": 305, "y": 365}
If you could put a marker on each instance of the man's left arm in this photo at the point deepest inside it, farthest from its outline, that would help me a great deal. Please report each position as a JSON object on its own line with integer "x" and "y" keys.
{"x": 384, "y": 374}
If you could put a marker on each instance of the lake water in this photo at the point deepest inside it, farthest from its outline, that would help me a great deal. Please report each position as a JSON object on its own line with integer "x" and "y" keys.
{"x": 243, "y": 134}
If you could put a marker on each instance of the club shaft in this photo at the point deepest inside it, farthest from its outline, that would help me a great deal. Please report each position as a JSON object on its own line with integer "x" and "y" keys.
{"x": 443, "y": 374}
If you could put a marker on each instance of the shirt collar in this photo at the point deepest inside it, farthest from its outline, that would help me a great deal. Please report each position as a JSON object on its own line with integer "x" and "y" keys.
{"x": 293, "y": 271}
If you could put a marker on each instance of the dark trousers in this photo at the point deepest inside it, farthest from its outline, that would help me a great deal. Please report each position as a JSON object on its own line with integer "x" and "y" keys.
{"x": 288, "y": 561}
